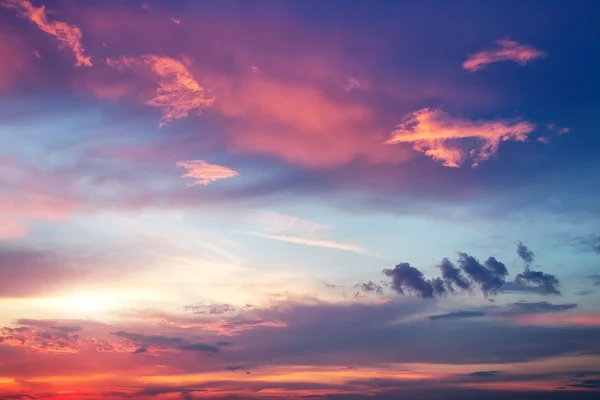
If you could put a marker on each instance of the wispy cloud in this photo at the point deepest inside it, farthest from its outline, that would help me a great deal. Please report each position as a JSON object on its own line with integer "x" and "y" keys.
{"x": 177, "y": 93}
{"x": 454, "y": 140}
{"x": 291, "y": 229}
{"x": 68, "y": 35}
{"x": 204, "y": 173}
{"x": 506, "y": 50}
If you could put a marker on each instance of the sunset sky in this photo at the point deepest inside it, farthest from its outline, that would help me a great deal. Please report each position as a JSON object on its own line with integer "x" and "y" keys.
{"x": 299, "y": 199}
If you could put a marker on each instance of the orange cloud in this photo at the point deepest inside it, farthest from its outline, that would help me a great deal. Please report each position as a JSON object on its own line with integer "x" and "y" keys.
{"x": 454, "y": 140}
{"x": 177, "y": 93}
{"x": 204, "y": 173}
{"x": 68, "y": 35}
{"x": 507, "y": 50}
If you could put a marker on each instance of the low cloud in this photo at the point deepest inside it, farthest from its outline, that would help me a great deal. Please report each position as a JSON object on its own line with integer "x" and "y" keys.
{"x": 457, "y": 315}
{"x": 542, "y": 307}
{"x": 68, "y": 35}
{"x": 204, "y": 173}
{"x": 468, "y": 274}
{"x": 455, "y": 140}
{"x": 506, "y": 50}
{"x": 165, "y": 342}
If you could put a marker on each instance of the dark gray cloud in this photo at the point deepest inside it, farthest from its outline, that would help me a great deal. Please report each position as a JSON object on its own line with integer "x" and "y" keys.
{"x": 526, "y": 255}
{"x": 171, "y": 342}
{"x": 140, "y": 350}
{"x": 234, "y": 368}
{"x": 407, "y": 279}
{"x": 485, "y": 374}
{"x": 453, "y": 276}
{"x": 546, "y": 283}
{"x": 540, "y": 307}
{"x": 489, "y": 276}
{"x": 588, "y": 384}
{"x": 201, "y": 347}
{"x": 457, "y": 315}
{"x": 223, "y": 343}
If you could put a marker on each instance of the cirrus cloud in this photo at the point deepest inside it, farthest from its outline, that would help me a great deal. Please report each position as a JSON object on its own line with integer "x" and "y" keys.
{"x": 507, "y": 50}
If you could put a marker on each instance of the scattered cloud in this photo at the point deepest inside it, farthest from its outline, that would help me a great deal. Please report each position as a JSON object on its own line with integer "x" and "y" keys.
{"x": 489, "y": 277}
{"x": 177, "y": 93}
{"x": 68, "y": 35}
{"x": 595, "y": 279}
{"x": 455, "y": 140}
{"x": 485, "y": 374}
{"x": 506, "y": 50}
{"x": 457, "y": 315}
{"x": 204, "y": 173}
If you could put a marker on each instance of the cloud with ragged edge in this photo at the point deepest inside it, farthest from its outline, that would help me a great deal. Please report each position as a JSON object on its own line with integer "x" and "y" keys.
{"x": 468, "y": 274}
{"x": 204, "y": 173}
{"x": 455, "y": 140}
{"x": 506, "y": 50}
{"x": 178, "y": 92}
{"x": 291, "y": 229}
{"x": 68, "y": 35}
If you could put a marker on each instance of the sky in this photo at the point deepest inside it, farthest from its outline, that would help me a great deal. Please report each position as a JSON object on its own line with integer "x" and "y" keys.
{"x": 267, "y": 199}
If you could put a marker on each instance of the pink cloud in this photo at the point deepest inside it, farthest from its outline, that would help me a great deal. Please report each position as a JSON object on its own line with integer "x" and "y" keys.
{"x": 454, "y": 140}
{"x": 68, "y": 35}
{"x": 177, "y": 93}
{"x": 204, "y": 173}
{"x": 507, "y": 50}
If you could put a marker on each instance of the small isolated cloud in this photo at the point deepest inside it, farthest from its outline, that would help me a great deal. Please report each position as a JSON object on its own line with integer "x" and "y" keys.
{"x": 68, "y": 35}
{"x": 455, "y": 140}
{"x": 547, "y": 283}
{"x": 506, "y": 50}
{"x": 204, "y": 173}
{"x": 595, "y": 279}
{"x": 177, "y": 93}
{"x": 291, "y": 229}
{"x": 457, "y": 315}
{"x": 369, "y": 287}
{"x": 489, "y": 276}
{"x": 524, "y": 253}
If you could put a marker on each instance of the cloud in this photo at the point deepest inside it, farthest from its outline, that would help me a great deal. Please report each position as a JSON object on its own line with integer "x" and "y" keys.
{"x": 485, "y": 374}
{"x": 591, "y": 242}
{"x": 211, "y": 309}
{"x": 166, "y": 342}
{"x": 595, "y": 279}
{"x": 453, "y": 276}
{"x": 177, "y": 93}
{"x": 547, "y": 283}
{"x": 204, "y": 173}
{"x": 458, "y": 315}
{"x": 542, "y": 307}
{"x": 369, "y": 287}
{"x": 455, "y": 140}
{"x": 291, "y": 229}
{"x": 489, "y": 276}
{"x": 407, "y": 279}
{"x": 68, "y": 35}
{"x": 524, "y": 253}
{"x": 506, "y": 50}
